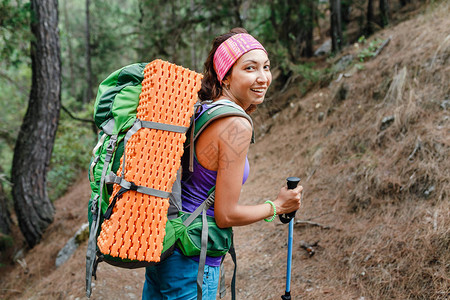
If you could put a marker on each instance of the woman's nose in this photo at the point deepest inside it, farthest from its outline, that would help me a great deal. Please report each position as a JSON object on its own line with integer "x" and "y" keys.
{"x": 263, "y": 76}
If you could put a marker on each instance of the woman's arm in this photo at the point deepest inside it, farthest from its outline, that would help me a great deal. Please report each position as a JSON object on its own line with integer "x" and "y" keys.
{"x": 223, "y": 147}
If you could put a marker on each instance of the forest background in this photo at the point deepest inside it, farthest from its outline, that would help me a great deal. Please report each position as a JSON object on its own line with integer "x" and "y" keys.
{"x": 98, "y": 37}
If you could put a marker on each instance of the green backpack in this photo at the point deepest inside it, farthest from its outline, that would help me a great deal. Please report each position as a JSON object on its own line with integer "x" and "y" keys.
{"x": 115, "y": 115}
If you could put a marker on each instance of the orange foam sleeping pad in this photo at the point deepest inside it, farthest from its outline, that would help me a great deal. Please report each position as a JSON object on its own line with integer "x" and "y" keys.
{"x": 136, "y": 228}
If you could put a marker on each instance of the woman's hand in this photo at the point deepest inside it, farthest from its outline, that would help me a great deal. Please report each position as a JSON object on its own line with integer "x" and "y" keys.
{"x": 288, "y": 200}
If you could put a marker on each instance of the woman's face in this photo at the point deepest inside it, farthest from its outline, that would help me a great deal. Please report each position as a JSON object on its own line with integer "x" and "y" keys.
{"x": 249, "y": 79}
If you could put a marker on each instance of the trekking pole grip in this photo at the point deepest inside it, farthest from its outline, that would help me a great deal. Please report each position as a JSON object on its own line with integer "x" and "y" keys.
{"x": 292, "y": 183}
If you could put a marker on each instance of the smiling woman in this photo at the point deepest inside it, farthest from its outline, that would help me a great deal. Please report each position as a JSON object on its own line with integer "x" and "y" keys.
{"x": 237, "y": 73}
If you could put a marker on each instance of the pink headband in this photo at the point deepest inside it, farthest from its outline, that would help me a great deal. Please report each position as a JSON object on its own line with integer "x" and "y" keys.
{"x": 231, "y": 49}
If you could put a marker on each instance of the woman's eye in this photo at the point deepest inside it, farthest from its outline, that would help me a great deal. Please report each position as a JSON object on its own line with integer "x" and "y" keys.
{"x": 267, "y": 67}
{"x": 250, "y": 68}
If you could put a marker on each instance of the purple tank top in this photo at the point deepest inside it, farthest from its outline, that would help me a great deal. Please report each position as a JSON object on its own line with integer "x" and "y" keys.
{"x": 195, "y": 187}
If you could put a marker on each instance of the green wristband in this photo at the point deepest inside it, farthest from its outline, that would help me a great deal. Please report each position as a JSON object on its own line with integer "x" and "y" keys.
{"x": 274, "y": 211}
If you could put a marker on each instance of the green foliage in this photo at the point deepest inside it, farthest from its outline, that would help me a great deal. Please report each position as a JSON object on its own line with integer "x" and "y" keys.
{"x": 82, "y": 237}
{"x": 14, "y": 90}
{"x": 370, "y": 50}
{"x": 71, "y": 152}
{"x": 73, "y": 142}
{"x": 307, "y": 71}
{"x": 113, "y": 35}
{"x": 181, "y": 31}
{"x": 359, "y": 67}
{"x": 14, "y": 32}
{"x": 289, "y": 25}
{"x": 113, "y": 43}
{"x": 6, "y": 241}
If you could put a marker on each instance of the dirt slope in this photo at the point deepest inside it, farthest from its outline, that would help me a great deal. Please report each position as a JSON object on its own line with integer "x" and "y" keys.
{"x": 379, "y": 196}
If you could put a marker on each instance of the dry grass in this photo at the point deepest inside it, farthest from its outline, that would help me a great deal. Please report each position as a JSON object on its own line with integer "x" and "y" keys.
{"x": 404, "y": 257}
{"x": 379, "y": 162}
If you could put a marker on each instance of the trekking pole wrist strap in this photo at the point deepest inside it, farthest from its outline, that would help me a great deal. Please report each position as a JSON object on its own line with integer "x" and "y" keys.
{"x": 274, "y": 211}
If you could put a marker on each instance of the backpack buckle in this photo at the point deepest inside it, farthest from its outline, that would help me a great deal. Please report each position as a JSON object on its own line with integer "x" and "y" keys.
{"x": 133, "y": 186}
{"x": 111, "y": 144}
{"x": 95, "y": 205}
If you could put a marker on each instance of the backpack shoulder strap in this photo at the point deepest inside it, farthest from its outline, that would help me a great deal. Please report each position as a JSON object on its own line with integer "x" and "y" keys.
{"x": 219, "y": 109}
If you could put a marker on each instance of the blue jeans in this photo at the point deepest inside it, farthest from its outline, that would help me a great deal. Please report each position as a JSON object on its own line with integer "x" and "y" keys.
{"x": 176, "y": 278}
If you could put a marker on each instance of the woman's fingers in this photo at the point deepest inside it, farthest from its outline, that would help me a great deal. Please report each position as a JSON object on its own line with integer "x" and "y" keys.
{"x": 289, "y": 200}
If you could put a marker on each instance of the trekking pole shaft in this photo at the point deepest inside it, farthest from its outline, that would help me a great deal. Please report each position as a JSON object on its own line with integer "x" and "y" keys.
{"x": 289, "y": 256}
{"x": 292, "y": 183}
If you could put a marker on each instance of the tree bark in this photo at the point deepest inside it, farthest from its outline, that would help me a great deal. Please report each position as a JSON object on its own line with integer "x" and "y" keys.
{"x": 336, "y": 25}
{"x": 346, "y": 11}
{"x": 36, "y": 137}
{"x": 69, "y": 48}
{"x": 384, "y": 12}
{"x": 405, "y": 2}
{"x": 309, "y": 36}
{"x": 193, "y": 46}
{"x": 370, "y": 18}
{"x": 237, "y": 13}
{"x": 5, "y": 217}
{"x": 89, "y": 93}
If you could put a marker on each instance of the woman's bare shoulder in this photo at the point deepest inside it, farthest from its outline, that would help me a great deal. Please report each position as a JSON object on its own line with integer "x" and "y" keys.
{"x": 231, "y": 129}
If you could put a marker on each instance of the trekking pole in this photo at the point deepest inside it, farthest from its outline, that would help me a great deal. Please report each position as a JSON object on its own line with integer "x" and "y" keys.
{"x": 292, "y": 183}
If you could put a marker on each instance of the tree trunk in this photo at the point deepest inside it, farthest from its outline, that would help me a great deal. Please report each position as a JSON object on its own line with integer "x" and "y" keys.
{"x": 237, "y": 13}
{"x": 370, "y": 18}
{"x": 405, "y": 2}
{"x": 5, "y": 217}
{"x": 384, "y": 12}
{"x": 309, "y": 51}
{"x": 346, "y": 7}
{"x": 140, "y": 39}
{"x": 69, "y": 48}
{"x": 37, "y": 134}
{"x": 193, "y": 45}
{"x": 89, "y": 93}
{"x": 336, "y": 25}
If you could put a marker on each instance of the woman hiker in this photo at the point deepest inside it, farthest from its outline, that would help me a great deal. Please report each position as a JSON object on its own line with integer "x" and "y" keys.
{"x": 237, "y": 69}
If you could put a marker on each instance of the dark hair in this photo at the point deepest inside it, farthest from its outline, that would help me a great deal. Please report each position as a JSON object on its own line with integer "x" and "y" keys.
{"x": 211, "y": 87}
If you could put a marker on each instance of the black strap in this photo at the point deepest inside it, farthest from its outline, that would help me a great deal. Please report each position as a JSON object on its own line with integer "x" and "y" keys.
{"x": 119, "y": 194}
{"x": 92, "y": 242}
{"x": 222, "y": 287}
{"x": 97, "y": 260}
{"x": 113, "y": 178}
{"x": 233, "y": 280}
{"x": 202, "y": 259}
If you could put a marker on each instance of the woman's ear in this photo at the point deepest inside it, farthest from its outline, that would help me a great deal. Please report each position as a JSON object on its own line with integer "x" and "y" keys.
{"x": 226, "y": 84}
